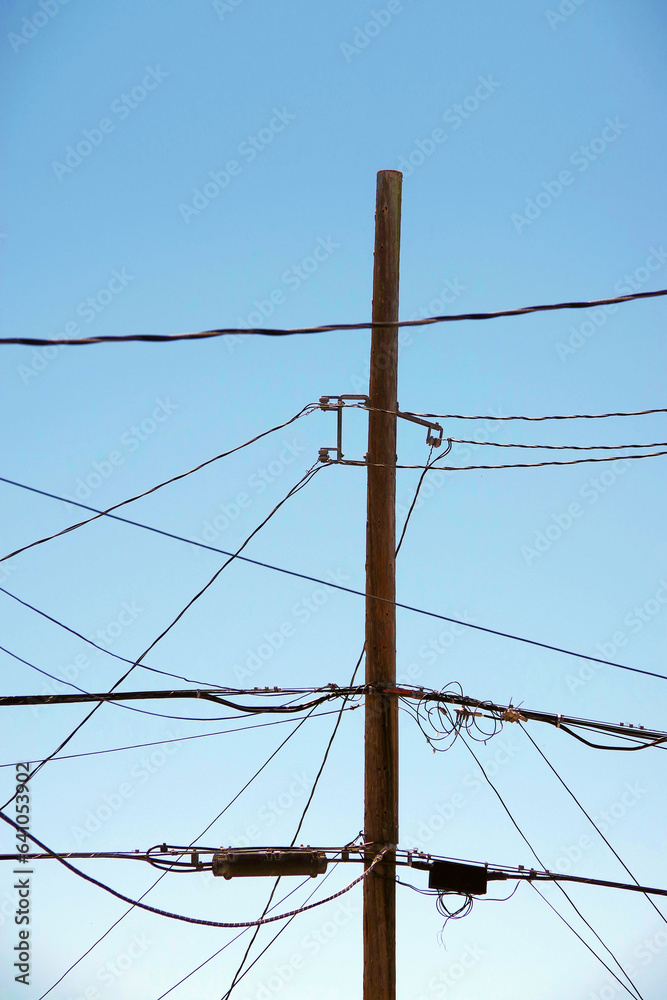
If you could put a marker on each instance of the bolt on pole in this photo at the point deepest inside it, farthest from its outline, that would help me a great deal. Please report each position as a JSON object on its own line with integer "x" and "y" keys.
{"x": 381, "y": 723}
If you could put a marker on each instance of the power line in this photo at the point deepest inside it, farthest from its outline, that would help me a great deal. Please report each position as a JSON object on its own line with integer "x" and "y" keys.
{"x": 309, "y": 408}
{"x": 342, "y": 587}
{"x": 558, "y": 447}
{"x": 523, "y": 465}
{"x": 270, "y": 332}
{"x": 486, "y": 416}
{"x": 203, "y": 694}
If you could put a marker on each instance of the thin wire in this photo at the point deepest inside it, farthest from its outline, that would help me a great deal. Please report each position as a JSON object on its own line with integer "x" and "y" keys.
{"x": 484, "y": 416}
{"x": 559, "y": 447}
{"x": 414, "y": 499}
{"x": 302, "y": 482}
{"x": 540, "y": 862}
{"x": 269, "y": 332}
{"x": 160, "y": 877}
{"x": 350, "y": 590}
{"x": 590, "y": 820}
{"x": 527, "y": 465}
{"x": 180, "y": 739}
{"x": 306, "y": 411}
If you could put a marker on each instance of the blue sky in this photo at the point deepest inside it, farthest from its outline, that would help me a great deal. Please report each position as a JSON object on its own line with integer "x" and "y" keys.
{"x": 173, "y": 167}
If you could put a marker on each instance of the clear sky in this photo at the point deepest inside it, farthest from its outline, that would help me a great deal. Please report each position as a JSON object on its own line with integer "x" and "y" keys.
{"x": 175, "y": 166}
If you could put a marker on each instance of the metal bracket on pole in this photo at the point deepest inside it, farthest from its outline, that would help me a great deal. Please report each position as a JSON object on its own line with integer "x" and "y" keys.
{"x": 435, "y": 439}
{"x": 339, "y": 406}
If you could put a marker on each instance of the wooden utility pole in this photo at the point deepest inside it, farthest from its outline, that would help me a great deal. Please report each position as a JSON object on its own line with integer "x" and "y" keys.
{"x": 381, "y": 736}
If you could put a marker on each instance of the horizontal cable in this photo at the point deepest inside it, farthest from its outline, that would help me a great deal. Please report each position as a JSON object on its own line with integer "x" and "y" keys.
{"x": 486, "y": 416}
{"x": 559, "y": 447}
{"x": 269, "y": 332}
{"x": 517, "y": 465}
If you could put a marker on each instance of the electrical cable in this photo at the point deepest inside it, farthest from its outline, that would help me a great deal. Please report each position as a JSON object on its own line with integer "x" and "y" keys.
{"x": 352, "y": 590}
{"x": 522, "y": 465}
{"x": 559, "y": 447}
{"x": 414, "y": 499}
{"x": 483, "y": 416}
{"x": 302, "y": 482}
{"x": 570, "y": 901}
{"x": 305, "y": 411}
{"x": 269, "y": 332}
{"x": 591, "y": 820}
{"x": 160, "y": 877}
